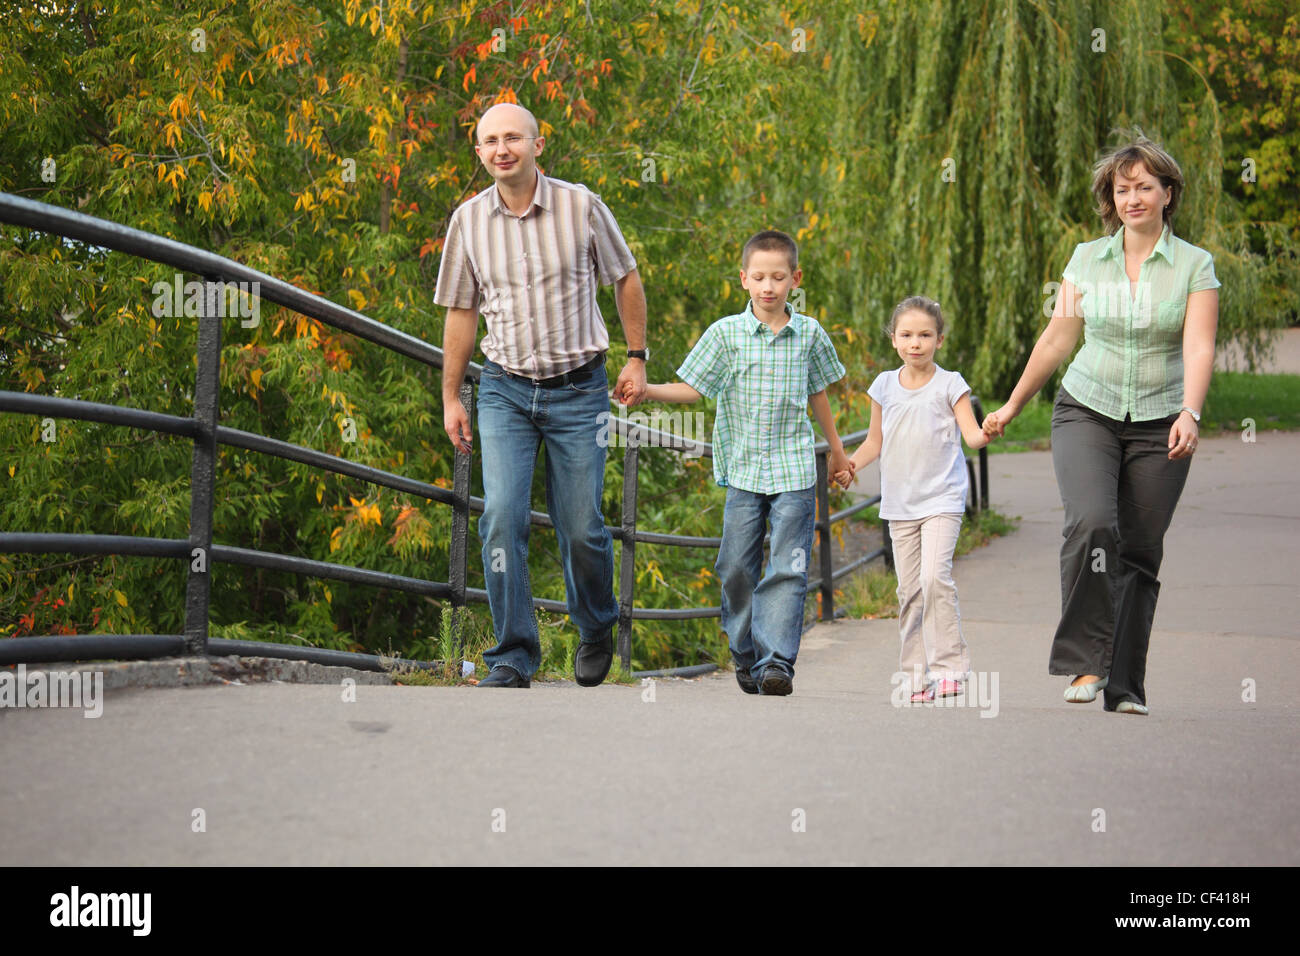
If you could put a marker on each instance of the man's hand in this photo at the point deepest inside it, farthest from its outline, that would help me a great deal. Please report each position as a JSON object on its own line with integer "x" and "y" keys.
{"x": 631, "y": 385}
{"x": 456, "y": 423}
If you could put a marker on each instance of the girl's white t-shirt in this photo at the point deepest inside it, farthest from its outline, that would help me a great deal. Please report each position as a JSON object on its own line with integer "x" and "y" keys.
{"x": 922, "y": 469}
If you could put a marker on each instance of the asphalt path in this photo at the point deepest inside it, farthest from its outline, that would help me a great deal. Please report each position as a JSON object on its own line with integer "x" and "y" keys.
{"x": 695, "y": 772}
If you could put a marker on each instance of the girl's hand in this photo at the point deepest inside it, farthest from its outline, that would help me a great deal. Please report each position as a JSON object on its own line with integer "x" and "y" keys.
{"x": 995, "y": 423}
{"x": 1183, "y": 437}
{"x": 844, "y": 478}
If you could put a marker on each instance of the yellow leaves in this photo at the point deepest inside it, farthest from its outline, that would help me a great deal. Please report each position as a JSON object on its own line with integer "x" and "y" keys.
{"x": 11, "y": 471}
{"x": 205, "y": 201}
{"x": 320, "y": 492}
{"x": 172, "y": 134}
{"x": 162, "y": 171}
{"x": 255, "y": 376}
{"x": 726, "y": 289}
{"x": 334, "y": 539}
{"x": 305, "y": 202}
{"x": 358, "y": 300}
{"x": 70, "y": 586}
{"x": 365, "y": 513}
{"x": 179, "y": 106}
{"x": 120, "y": 598}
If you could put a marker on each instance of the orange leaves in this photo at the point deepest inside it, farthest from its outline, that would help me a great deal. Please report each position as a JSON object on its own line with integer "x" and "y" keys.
{"x": 470, "y": 77}
{"x": 431, "y": 245}
{"x": 543, "y": 66}
{"x": 554, "y": 88}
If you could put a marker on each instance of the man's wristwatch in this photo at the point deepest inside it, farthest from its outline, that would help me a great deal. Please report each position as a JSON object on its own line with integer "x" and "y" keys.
{"x": 1195, "y": 415}
{"x": 642, "y": 354}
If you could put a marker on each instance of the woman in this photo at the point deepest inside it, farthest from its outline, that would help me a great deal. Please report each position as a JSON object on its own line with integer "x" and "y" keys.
{"x": 1125, "y": 424}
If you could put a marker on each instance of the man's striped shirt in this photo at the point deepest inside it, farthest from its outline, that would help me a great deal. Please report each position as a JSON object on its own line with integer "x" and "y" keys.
{"x": 533, "y": 277}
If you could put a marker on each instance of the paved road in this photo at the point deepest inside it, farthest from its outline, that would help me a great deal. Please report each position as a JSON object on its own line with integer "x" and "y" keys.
{"x": 704, "y": 774}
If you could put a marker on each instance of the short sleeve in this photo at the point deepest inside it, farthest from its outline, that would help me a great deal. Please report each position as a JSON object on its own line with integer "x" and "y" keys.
{"x": 1203, "y": 276}
{"x": 957, "y": 387}
{"x": 609, "y": 250}
{"x": 878, "y": 389}
{"x": 824, "y": 366}
{"x": 1075, "y": 266}
{"x": 457, "y": 284}
{"x": 706, "y": 368}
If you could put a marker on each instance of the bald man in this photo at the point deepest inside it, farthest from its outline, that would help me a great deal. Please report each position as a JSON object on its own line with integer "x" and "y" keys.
{"x": 527, "y": 255}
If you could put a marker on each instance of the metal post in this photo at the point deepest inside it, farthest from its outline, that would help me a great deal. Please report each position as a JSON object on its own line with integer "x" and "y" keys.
{"x": 458, "y": 558}
{"x": 824, "y": 536}
{"x": 203, "y": 470}
{"x": 627, "y": 572}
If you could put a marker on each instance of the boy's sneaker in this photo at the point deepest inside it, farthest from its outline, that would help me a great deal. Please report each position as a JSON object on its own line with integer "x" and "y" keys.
{"x": 745, "y": 681}
{"x": 775, "y": 682}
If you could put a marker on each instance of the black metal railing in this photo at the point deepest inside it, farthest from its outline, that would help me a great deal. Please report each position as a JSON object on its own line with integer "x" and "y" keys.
{"x": 206, "y": 432}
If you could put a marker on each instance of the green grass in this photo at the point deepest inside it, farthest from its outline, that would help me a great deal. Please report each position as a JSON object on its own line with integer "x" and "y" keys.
{"x": 1272, "y": 402}
{"x": 873, "y": 593}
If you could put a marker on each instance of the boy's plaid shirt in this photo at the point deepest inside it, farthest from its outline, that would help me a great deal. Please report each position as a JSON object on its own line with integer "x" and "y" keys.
{"x": 762, "y": 438}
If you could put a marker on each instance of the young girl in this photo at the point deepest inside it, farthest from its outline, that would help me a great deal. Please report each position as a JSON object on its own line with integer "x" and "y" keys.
{"x": 916, "y": 412}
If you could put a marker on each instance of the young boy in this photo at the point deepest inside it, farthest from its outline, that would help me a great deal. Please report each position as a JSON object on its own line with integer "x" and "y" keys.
{"x": 764, "y": 366}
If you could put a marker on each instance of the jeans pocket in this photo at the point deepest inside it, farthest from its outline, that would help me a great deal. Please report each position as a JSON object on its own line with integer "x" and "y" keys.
{"x": 598, "y": 382}
{"x": 493, "y": 371}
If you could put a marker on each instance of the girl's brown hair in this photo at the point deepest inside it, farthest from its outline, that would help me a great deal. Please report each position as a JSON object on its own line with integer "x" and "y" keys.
{"x": 921, "y": 304}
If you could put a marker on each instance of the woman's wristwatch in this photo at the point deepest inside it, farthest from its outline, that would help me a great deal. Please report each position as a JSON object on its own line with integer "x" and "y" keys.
{"x": 1196, "y": 416}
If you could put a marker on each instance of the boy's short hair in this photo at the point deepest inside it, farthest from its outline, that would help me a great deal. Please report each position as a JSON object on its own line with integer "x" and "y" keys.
{"x": 771, "y": 240}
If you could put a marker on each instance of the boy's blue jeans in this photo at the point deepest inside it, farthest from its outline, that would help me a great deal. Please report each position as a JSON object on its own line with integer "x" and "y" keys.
{"x": 514, "y": 418}
{"x": 763, "y": 613}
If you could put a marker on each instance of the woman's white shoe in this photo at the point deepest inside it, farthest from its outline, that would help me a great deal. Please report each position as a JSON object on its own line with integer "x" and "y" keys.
{"x": 1085, "y": 693}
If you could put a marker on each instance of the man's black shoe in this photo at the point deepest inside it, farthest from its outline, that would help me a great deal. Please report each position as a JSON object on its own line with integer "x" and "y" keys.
{"x": 775, "y": 682}
{"x": 503, "y": 676}
{"x": 745, "y": 681}
{"x": 591, "y": 661}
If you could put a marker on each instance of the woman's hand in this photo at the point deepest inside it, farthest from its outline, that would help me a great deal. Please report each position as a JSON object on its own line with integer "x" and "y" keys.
{"x": 996, "y": 422}
{"x": 1183, "y": 437}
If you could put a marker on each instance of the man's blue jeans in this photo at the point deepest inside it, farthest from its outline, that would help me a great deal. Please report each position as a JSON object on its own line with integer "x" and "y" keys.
{"x": 514, "y": 418}
{"x": 763, "y": 617}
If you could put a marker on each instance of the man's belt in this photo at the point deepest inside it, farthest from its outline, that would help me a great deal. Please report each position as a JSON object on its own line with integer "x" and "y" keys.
{"x": 579, "y": 374}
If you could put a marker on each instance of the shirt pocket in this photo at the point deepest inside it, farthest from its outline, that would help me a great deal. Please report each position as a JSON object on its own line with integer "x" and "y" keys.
{"x": 1169, "y": 316}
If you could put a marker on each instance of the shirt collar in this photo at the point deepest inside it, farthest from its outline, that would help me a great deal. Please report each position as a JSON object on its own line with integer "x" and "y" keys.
{"x": 1164, "y": 245}
{"x": 758, "y": 325}
{"x": 541, "y": 196}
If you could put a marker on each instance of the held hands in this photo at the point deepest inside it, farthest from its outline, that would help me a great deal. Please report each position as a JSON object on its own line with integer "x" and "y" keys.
{"x": 630, "y": 389}
{"x": 842, "y": 469}
{"x": 995, "y": 423}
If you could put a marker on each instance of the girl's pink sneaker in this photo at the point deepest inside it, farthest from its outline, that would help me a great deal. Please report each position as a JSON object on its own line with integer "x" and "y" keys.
{"x": 923, "y": 696}
{"x": 949, "y": 688}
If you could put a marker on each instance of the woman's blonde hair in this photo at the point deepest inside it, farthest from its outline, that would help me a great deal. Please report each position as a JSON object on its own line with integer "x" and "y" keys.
{"x": 1139, "y": 149}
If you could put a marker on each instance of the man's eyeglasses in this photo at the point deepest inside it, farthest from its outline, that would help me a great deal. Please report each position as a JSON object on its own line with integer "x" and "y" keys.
{"x": 511, "y": 140}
